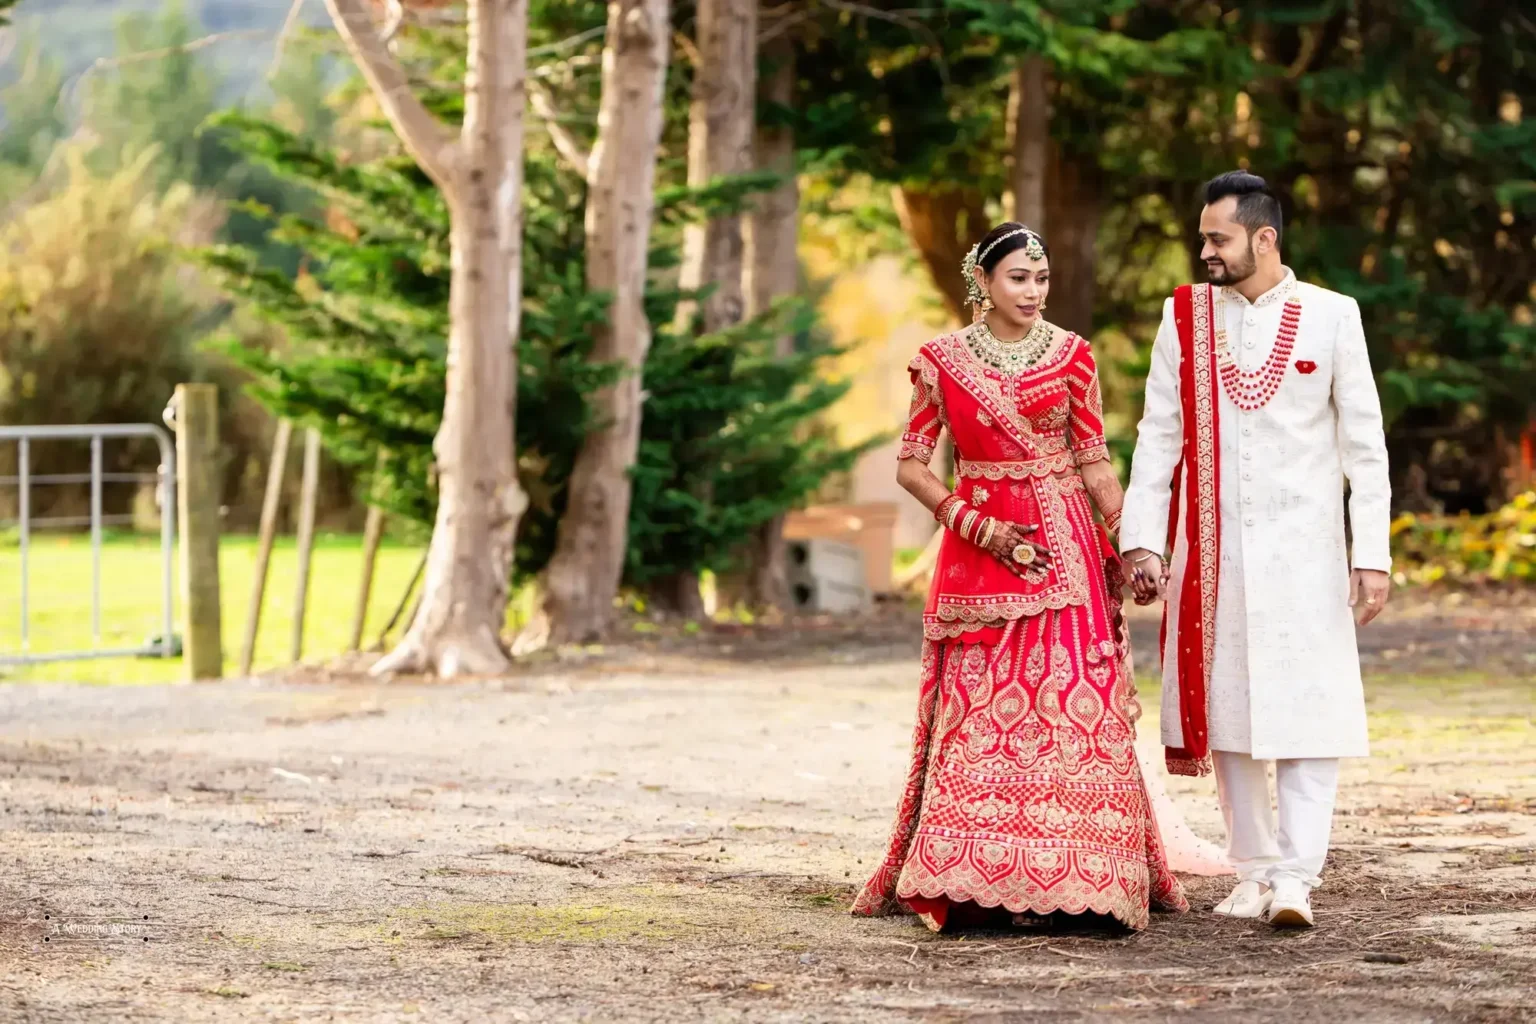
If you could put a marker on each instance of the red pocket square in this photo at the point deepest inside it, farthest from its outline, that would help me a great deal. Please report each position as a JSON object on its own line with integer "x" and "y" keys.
{"x": 1305, "y": 365}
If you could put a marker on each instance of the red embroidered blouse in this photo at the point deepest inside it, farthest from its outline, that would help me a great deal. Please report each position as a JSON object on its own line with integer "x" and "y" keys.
{"x": 1018, "y": 442}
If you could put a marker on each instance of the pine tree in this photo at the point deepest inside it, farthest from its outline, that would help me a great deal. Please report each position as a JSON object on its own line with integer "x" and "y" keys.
{"x": 726, "y": 443}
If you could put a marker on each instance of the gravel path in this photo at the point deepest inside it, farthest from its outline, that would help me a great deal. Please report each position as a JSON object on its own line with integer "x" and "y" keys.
{"x": 666, "y": 833}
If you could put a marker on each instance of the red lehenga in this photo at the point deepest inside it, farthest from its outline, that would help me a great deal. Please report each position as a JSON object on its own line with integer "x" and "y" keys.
{"x": 1024, "y": 790}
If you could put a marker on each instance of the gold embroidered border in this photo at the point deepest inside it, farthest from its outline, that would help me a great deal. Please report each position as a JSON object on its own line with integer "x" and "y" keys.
{"x": 1206, "y": 483}
{"x": 952, "y": 616}
{"x": 990, "y": 393}
{"x": 919, "y": 450}
{"x": 928, "y": 373}
{"x": 1020, "y": 470}
{"x": 1093, "y": 453}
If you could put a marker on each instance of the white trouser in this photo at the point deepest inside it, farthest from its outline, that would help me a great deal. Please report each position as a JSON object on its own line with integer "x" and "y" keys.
{"x": 1305, "y": 793}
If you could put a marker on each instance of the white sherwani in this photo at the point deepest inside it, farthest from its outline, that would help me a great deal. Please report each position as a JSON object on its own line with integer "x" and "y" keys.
{"x": 1285, "y": 676}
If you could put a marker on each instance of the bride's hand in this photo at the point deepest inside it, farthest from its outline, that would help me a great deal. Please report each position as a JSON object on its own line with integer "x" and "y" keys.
{"x": 1009, "y": 536}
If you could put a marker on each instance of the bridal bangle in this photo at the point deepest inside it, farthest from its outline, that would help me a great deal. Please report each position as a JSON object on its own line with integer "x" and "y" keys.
{"x": 984, "y": 535}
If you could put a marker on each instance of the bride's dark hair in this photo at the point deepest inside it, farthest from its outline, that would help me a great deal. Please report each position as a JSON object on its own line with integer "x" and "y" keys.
{"x": 995, "y": 251}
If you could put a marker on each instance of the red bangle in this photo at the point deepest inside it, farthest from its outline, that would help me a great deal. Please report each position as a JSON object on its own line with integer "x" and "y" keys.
{"x": 942, "y": 511}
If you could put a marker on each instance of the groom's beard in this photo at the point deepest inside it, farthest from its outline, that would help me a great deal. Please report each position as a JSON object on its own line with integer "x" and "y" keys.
{"x": 1224, "y": 273}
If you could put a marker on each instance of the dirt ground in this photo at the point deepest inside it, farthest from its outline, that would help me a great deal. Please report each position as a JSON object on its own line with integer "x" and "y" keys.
{"x": 672, "y": 829}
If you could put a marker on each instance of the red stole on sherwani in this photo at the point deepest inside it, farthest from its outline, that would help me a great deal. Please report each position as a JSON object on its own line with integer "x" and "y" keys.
{"x": 1198, "y": 477}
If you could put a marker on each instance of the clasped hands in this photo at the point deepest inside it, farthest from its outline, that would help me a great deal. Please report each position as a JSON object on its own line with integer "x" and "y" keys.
{"x": 1149, "y": 575}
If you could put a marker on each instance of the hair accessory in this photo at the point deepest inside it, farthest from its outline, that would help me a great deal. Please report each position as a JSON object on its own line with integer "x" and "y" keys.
{"x": 1034, "y": 248}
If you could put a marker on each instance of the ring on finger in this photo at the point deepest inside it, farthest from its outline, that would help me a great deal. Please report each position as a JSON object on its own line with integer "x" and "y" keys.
{"x": 1023, "y": 554}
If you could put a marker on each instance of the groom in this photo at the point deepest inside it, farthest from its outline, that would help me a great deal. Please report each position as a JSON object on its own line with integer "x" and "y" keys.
{"x": 1260, "y": 405}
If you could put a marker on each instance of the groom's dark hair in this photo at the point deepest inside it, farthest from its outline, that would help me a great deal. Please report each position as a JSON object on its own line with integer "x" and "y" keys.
{"x": 1257, "y": 206}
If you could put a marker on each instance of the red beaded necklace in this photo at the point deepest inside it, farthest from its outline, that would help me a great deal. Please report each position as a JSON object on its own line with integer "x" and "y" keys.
{"x": 1252, "y": 389}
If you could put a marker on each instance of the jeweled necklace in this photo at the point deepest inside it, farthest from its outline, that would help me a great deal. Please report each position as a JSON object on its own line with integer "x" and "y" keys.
{"x": 1010, "y": 356}
{"x": 1251, "y": 390}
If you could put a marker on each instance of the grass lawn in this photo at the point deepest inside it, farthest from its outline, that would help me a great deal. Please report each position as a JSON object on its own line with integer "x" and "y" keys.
{"x": 60, "y": 601}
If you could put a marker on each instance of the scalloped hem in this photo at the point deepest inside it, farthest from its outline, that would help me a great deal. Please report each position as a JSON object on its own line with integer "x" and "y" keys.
{"x": 936, "y": 627}
{"x": 1133, "y": 916}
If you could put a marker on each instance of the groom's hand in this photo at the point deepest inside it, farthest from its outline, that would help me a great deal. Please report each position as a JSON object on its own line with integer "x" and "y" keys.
{"x": 1368, "y": 589}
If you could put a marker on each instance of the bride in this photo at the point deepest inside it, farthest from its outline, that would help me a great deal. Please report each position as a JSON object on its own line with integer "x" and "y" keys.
{"x": 1025, "y": 795}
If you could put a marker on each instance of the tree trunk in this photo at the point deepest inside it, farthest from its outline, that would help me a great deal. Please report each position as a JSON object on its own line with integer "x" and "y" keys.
{"x": 720, "y": 130}
{"x": 583, "y": 577}
{"x": 1029, "y": 122}
{"x": 944, "y": 223}
{"x": 1072, "y": 232}
{"x": 457, "y": 627}
{"x": 773, "y": 271}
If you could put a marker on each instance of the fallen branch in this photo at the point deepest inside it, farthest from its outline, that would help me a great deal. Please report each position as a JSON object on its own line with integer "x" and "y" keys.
{"x": 1074, "y": 956}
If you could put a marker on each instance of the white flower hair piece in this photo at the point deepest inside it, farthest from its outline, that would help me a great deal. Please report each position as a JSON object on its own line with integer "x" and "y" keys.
{"x": 973, "y": 291}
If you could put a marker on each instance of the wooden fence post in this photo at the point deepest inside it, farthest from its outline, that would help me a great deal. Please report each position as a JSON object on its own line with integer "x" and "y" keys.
{"x": 309, "y": 493}
{"x": 373, "y": 532}
{"x": 269, "y": 503}
{"x": 197, "y": 501}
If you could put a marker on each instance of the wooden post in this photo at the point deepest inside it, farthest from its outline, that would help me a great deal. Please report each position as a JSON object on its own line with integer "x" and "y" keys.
{"x": 197, "y": 506}
{"x": 269, "y": 504}
{"x": 308, "y": 496}
{"x": 373, "y": 531}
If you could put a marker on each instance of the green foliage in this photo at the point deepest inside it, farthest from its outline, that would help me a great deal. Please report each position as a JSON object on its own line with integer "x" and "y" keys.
{"x": 368, "y": 325}
{"x": 1398, "y": 135}
{"x": 103, "y": 337}
{"x": 1497, "y": 547}
{"x": 33, "y": 122}
{"x": 722, "y": 445}
{"x": 726, "y": 444}
{"x": 160, "y": 102}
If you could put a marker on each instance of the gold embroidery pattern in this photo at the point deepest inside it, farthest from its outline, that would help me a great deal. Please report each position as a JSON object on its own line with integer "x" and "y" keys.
{"x": 992, "y": 390}
{"x": 983, "y": 418}
{"x": 928, "y": 373}
{"x": 1023, "y": 469}
{"x": 1024, "y": 791}
{"x": 1093, "y": 453}
{"x": 912, "y": 448}
{"x": 1206, "y": 482}
{"x": 955, "y": 614}
{"x": 979, "y": 495}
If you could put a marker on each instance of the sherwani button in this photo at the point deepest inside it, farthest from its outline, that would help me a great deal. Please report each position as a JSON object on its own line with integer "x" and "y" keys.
{"x": 1249, "y": 521}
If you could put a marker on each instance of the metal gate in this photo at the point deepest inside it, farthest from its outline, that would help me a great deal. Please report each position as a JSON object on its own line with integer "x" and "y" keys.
{"x": 25, "y": 481}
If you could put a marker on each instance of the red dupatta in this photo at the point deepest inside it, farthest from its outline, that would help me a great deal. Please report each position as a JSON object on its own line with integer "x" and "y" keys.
{"x": 1198, "y": 475}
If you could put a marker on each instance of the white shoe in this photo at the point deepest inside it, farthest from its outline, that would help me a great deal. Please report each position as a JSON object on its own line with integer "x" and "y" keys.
{"x": 1249, "y": 899}
{"x": 1292, "y": 904}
